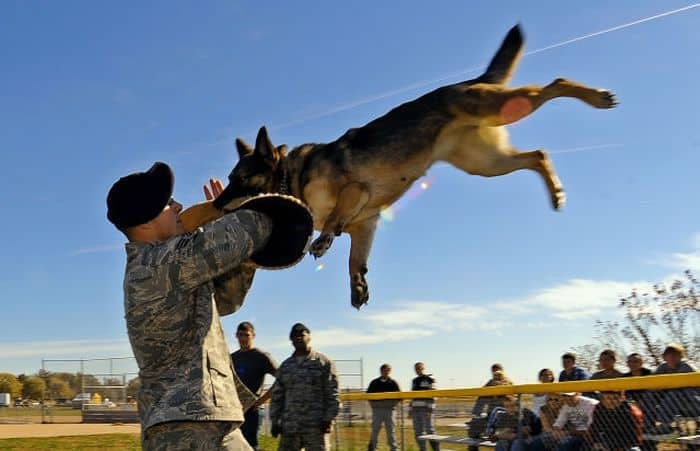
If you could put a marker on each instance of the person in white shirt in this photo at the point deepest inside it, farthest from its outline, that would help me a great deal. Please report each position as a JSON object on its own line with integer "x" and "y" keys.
{"x": 575, "y": 416}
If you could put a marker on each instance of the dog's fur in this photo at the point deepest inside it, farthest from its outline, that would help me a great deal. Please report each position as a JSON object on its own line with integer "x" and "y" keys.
{"x": 347, "y": 182}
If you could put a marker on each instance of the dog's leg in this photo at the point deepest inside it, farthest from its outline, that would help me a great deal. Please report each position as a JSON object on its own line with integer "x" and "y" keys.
{"x": 490, "y": 161}
{"x": 495, "y": 105}
{"x": 361, "y": 237}
{"x": 351, "y": 199}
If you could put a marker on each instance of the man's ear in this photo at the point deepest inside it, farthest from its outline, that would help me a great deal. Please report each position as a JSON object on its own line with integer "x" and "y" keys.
{"x": 265, "y": 149}
{"x": 244, "y": 149}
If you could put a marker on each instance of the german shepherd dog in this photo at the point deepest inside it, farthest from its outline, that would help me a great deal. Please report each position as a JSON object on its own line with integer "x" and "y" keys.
{"x": 347, "y": 182}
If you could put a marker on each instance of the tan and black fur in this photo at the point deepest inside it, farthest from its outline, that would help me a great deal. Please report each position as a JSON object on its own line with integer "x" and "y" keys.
{"x": 348, "y": 181}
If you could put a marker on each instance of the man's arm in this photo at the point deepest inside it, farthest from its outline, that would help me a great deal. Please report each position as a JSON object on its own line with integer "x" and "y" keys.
{"x": 232, "y": 287}
{"x": 330, "y": 395}
{"x": 276, "y": 407}
{"x": 271, "y": 369}
{"x": 217, "y": 247}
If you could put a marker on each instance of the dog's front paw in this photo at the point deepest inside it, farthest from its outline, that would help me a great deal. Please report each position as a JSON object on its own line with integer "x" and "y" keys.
{"x": 606, "y": 99}
{"x": 359, "y": 292}
{"x": 321, "y": 245}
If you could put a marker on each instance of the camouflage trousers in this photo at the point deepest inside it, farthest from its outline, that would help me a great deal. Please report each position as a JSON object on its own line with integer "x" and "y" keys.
{"x": 194, "y": 436}
{"x": 308, "y": 440}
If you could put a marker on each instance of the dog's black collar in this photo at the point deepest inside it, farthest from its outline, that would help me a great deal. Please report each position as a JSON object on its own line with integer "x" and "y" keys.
{"x": 284, "y": 180}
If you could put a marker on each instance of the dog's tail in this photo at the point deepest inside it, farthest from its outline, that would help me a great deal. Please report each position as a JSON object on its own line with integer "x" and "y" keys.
{"x": 503, "y": 64}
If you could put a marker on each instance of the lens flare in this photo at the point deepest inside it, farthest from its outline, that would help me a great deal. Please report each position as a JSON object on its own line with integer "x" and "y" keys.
{"x": 387, "y": 214}
{"x": 319, "y": 267}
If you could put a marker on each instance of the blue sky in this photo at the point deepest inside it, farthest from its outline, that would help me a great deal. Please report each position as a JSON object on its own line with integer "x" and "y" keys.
{"x": 469, "y": 271}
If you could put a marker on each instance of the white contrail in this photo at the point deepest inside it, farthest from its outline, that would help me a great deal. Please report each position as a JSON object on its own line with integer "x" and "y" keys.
{"x": 421, "y": 84}
{"x": 586, "y": 148}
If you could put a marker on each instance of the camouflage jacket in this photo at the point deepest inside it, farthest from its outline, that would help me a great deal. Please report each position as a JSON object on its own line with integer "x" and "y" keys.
{"x": 305, "y": 393}
{"x": 174, "y": 292}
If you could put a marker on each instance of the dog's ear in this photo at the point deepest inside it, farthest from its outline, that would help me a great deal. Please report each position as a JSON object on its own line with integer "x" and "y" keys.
{"x": 265, "y": 149}
{"x": 244, "y": 149}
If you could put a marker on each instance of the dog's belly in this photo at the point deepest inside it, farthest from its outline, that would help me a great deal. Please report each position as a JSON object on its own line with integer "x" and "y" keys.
{"x": 321, "y": 200}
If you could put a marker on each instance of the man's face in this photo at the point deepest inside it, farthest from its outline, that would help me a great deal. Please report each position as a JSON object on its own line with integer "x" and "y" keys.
{"x": 606, "y": 362}
{"x": 634, "y": 363}
{"x": 300, "y": 340}
{"x": 168, "y": 224}
{"x": 673, "y": 359}
{"x": 510, "y": 405}
{"x": 570, "y": 400}
{"x": 385, "y": 371}
{"x": 245, "y": 338}
{"x": 420, "y": 368}
{"x": 567, "y": 363}
{"x": 611, "y": 400}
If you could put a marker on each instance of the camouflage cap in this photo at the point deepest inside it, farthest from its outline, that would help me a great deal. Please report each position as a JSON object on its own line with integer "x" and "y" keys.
{"x": 139, "y": 197}
{"x": 297, "y": 329}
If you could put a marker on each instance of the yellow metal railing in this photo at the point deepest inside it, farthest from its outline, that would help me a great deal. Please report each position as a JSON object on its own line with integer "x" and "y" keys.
{"x": 660, "y": 382}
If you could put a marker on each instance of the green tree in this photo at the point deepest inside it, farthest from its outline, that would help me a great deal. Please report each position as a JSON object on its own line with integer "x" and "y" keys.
{"x": 10, "y": 384}
{"x": 33, "y": 388}
{"x": 132, "y": 387}
{"x": 59, "y": 388}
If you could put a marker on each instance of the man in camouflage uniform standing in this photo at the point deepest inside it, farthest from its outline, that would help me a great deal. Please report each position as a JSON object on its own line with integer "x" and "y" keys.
{"x": 175, "y": 288}
{"x": 304, "y": 397}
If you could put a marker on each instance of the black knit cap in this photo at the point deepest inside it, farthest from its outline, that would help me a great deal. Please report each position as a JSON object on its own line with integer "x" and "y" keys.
{"x": 140, "y": 197}
{"x": 297, "y": 329}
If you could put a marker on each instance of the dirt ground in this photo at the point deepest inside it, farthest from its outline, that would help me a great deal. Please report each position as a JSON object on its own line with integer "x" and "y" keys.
{"x": 55, "y": 430}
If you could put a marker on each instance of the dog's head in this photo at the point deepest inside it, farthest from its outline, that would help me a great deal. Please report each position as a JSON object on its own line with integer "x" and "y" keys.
{"x": 257, "y": 171}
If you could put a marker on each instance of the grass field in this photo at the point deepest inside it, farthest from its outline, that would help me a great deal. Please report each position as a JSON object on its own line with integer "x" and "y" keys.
{"x": 351, "y": 439}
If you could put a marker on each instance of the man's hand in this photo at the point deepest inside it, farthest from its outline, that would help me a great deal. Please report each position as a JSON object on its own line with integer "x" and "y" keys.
{"x": 326, "y": 427}
{"x": 275, "y": 430}
{"x": 215, "y": 188}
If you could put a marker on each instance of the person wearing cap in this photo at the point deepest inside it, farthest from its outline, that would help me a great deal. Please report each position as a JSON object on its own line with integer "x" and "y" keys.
{"x": 383, "y": 409}
{"x": 685, "y": 401}
{"x": 422, "y": 408}
{"x": 575, "y": 416}
{"x": 251, "y": 365}
{"x": 305, "y": 397}
{"x": 176, "y": 287}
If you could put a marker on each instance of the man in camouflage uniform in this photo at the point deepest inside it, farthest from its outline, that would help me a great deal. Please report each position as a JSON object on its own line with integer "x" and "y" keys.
{"x": 304, "y": 397}
{"x": 175, "y": 288}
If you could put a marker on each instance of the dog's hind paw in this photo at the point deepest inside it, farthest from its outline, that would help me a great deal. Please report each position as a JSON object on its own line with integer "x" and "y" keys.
{"x": 321, "y": 245}
{"x": 606, "y": 99}
{"x": 559, "y": 199}
{"x": 359, "y": 291}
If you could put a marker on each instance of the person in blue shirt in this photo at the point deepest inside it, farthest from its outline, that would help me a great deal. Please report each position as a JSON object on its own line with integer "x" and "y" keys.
{"x": 571, "y": 372}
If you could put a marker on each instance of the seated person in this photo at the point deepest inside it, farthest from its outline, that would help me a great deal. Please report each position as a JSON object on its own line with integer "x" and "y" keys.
{"x": 539, "y": 400}
{"x": 606, "y": 362}
{"x": 508, "y": 428}
{"x": 617, "y": 423}
{"x": 546, "y": 439}
{"x": 678, "y": 401}
{"x": 484, "y": 405}
{"x": 575, "y": 416}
